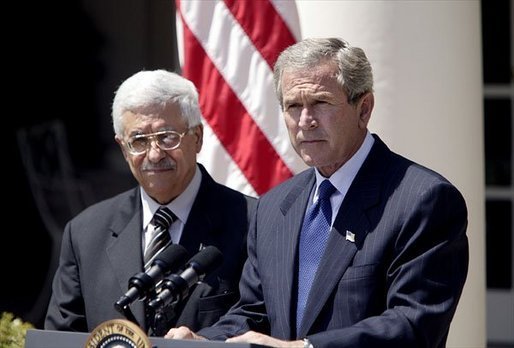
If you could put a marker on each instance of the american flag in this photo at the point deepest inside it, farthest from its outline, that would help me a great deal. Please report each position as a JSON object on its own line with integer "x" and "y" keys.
{"x": 228, "y": 51}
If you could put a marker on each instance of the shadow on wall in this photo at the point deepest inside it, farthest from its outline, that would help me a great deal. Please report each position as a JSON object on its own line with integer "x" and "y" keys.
{"x": 59, "y": 192}
{"x": 66, "y": 59}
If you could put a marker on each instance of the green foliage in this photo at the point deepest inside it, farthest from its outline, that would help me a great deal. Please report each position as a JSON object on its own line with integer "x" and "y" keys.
{"x": 12, "y": 331}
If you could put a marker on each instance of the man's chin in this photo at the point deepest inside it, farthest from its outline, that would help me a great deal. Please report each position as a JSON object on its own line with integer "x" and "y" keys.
{"x": 162, "y": 195}
{"x": 308, "y": 160}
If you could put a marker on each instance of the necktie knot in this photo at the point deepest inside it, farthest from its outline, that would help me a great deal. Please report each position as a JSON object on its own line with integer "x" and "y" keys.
{"x": 326, "y": 189}
{"x": 164, "y": 218}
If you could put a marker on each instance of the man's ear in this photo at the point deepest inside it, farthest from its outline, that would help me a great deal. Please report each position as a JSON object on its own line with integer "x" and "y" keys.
{"x": 365, "y": 107}
{"x": 199, "y": 137}
{"x": 122, "y": 147}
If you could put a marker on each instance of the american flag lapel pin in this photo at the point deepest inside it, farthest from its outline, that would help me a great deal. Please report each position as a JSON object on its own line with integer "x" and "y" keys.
{"x": 350, "y": 236}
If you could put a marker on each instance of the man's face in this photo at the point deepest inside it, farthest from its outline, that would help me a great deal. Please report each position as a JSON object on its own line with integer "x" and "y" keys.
{"x": 324, "y": 129}
{"x": 163, "y": 174}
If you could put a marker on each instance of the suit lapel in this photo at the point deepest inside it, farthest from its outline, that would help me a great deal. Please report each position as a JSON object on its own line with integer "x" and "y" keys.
{"x": 127, "y": 240}
{"x": 201, "y": 220}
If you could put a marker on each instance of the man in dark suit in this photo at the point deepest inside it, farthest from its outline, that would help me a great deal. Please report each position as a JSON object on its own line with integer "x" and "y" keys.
{"x": 157, "y": 122}
{"x": 392, "y": 266}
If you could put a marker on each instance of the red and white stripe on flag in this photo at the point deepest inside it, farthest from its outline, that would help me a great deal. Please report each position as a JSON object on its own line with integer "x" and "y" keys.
{"x": 229, "y": 48}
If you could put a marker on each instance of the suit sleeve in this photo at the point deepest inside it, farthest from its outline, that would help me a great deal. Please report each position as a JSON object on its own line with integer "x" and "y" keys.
{"x": 66, "y": 308}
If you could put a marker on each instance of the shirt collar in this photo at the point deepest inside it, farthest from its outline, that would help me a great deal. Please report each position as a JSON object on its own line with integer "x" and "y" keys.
{"x": 343, "y": 177}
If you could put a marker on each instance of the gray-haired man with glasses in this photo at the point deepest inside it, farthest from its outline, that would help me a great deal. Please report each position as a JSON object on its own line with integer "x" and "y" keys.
{"x": 157, "y": 123}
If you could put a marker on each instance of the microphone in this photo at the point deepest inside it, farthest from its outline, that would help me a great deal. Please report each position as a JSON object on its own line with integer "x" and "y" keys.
{"x": 141, "y": 284}
{"x": 176, "y": 287}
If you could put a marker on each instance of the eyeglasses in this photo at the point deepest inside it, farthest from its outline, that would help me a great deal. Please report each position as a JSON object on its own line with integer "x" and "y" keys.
{"x": 166, "y": 140}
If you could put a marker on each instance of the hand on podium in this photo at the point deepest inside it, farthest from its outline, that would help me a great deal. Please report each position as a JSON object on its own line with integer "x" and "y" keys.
{"x": 265, "y": 340}
{"x": 185, "y": 333}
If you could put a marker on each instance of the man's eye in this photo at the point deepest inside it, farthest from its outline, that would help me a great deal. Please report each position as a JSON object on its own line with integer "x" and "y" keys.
{"x": 168, "y": 138}
{"x": 293, "y": 106}
{"x": 139, "y": 142}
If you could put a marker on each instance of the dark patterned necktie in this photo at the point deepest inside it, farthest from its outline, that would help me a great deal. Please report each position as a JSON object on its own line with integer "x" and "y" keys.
{"x": 313, "y": 239}
{"x": 161, "y": 221}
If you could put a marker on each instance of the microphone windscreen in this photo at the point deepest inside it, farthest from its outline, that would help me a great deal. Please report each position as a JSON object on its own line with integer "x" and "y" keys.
{"x": 171, "y": 258}
{"x": 207, "y": 260}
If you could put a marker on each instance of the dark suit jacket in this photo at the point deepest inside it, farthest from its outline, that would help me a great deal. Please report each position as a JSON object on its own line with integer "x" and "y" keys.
{"x": 396, "y": 285}
{"x": 102, "y": 249}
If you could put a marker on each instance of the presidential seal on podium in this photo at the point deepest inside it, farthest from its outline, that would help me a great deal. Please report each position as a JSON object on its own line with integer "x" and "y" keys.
{"x": 117, "y": 333}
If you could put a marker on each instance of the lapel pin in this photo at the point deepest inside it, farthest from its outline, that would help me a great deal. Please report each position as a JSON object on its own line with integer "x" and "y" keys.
{"x": 350, "y": 236}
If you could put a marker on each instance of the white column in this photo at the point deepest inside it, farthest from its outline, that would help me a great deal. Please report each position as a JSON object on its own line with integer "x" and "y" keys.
{"x": 426, "y": 57}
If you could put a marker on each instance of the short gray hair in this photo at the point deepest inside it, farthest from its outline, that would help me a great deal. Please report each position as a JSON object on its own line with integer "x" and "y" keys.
{"x": 155, "y": 88}
{"x": 354, "y": 70}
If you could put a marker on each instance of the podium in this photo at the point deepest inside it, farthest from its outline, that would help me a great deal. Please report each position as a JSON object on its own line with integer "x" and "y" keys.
{"x": 62, "y": 339}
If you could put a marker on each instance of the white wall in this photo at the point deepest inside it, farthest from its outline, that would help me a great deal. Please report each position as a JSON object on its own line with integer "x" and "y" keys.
{"x": 428, "y": 82}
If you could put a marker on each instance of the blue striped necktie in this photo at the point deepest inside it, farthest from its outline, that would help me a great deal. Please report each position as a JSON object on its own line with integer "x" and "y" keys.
{"x": 162, "y": 221}
{"x": 313, "y": 239}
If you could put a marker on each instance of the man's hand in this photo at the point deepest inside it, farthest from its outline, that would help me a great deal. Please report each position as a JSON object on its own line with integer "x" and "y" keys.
{"x": 258, "y": 338}
{"x": 183, "y": 333}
